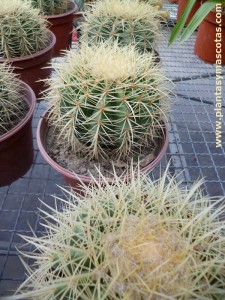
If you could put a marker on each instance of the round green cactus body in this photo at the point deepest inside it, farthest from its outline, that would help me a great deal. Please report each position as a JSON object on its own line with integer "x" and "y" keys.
{"x": 23, "y": 30}
{"x": 138, "y": 240}
{"x": 108, "y": 97}
{"x": 129, "y": 22}
{"x": 51, "y": 7}
{"x": 11, "y": 100}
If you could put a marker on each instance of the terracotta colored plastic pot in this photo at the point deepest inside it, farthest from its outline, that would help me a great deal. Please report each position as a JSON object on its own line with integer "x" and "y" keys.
{"x": 31, "y": 68}
{"x": 62, "y": 27}
{"x": 16, "y": 145}
{"x": 73, "y": 179}
{"x": 205, "y": 45}
{"x": 181, "y": 6}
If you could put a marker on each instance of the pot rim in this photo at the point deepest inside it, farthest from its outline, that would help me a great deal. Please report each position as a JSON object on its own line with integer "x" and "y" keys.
{"x": 34, "y": 55}
{"x": 87, "y": 179}
{"x": 211, "y": 18}
{"x": 31, "y": 102}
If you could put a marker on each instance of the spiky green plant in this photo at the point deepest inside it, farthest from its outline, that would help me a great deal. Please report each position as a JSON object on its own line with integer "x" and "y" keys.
{"x": 129, "y": 22}
{"x": 51, "y": 7}
{"x": 12, "y": 104}
{"x": 23, "y": 31}
{"x": 138, "y": 240}
{"x": 108, "y": 99}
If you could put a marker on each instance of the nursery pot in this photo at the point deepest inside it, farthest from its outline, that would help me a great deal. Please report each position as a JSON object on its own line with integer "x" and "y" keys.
{"x": 181, "y": 6}
{"x": 16, "y": 145}
{"x": 62, "y": 27}
{"x": 32, "y": 68}
{"x": 72, "y": 179}
{"x": 210, "y": 40}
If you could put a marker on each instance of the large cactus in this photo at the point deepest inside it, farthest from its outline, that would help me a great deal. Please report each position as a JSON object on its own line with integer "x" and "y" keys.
{"x": 51, "y": 7}
{"x": 135, "y": 241}
{"x": 129, "y": 22}
{"x": 12, "y": 104}
{"x": 23, "y": 31}
{"x": 108, "y": 98}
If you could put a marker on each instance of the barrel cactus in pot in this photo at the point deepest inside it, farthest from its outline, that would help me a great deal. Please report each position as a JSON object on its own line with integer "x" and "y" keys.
{"x": 60, "y": 15}
{"x": 23, "y": 30}
{"x": 17, "y": 103}
{"x": 12, "y": 104}
{"x": 139, "y": 240}
{"x": 129, "y": 22}
{"x": 25, "y": 41}
{"x": 108, "y": 103}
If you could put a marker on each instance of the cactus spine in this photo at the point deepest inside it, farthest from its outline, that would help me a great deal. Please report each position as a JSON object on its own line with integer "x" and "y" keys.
{"x": 12, "y": 104}
{"x": 108, "y": 99}
{"x": 23, "y": 30}
{"x": 139, "y": 240}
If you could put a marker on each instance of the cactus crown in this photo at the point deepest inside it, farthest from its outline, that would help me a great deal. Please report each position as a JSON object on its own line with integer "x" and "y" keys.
{"x": 23, "y": 30}
{"x": 12, "y": 103}
{"x": 129, "y": 22}
{"x": 51, "y": 7}
{"x": 139, "y": 240}
{"x": 107, "y": 97}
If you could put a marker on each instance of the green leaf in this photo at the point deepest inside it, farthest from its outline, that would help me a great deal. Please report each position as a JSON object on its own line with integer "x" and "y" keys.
{"x": 199, "y": 16}
{"x": 181, "y": 22}
{"x": 195, "y": 21}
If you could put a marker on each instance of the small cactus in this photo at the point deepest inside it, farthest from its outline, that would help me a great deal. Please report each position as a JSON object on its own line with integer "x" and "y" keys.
{"x": 108, "y": 99}
{"x": 12, "y": 102}
{"x": 129, "y": 22}
{"x": 51, "y": 7}
{"x": 23, "y": 30}
{"x": 138, "y": 240}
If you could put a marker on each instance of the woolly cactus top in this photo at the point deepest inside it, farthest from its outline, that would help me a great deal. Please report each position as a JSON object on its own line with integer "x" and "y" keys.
{"x": 12, "y": 104}
{"x": 51, "y": 7}
{"x": 138, "y": 240}
{"x": 23, "y": 31}
{"x": 126, "y": 21}
{"x": 107, "y": 97}
{"x": 126, "y": 9}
